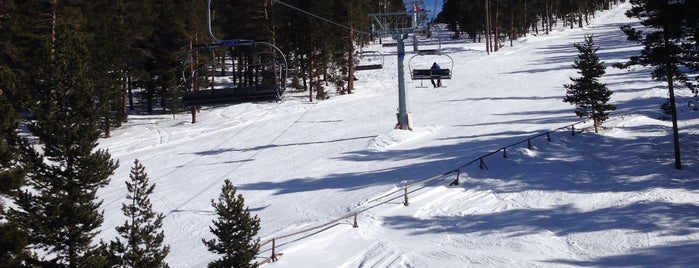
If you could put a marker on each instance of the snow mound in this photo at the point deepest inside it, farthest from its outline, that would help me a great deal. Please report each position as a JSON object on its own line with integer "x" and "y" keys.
{"x": 395, "y": 137}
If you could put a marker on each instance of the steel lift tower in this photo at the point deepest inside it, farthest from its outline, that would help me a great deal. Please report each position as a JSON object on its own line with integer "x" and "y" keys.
{"x": 401, "y": 25}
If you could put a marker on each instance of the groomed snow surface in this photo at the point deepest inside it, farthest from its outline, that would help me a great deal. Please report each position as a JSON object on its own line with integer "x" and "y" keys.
{"x": 607, "y": 199}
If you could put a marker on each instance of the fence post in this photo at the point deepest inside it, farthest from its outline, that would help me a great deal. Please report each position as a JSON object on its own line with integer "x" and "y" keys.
{"x": 405, "y": 203}
{"x": 504, "y": 152}
{"x": 456, "y": 181}
{"x": 355, "y": 220}
{"x": 529, "y": 144}
{"x": 274, "y": 254}
{"x": 548, "y": 136}
{"x": 572, "y": 127}
{"x": 482, "y": 164}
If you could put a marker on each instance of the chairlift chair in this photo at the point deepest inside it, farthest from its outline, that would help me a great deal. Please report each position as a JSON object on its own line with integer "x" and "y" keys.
{"x": 370, "y": 60}
{"x": 234, "y": 70}
{"x": 421, "y": 70}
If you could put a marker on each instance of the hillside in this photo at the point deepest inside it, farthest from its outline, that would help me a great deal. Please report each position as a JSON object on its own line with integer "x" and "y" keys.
{"x": 607, "y": 199}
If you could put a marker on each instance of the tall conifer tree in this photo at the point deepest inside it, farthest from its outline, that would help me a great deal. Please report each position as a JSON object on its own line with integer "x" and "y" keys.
{"x": 587, "y": 93}
{"x": 143, "y": 229}
{"x": 662, "y": 48}
{"x": 166, "y": 48}
{"x": 235, "y": 231}
{"x": 60, "y": 207}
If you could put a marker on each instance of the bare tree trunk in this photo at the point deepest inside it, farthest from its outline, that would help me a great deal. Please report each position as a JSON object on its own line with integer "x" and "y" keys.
{"x": 303, "y": 71}
{"x": 543, "y": 24}
{"x": 512, "y": 27}
{"x": 213, "y": 69}
{"x": 311, "y": 77}
{"x": 350, "y": 56}
{"x": 496, "y": 27}
{"x": 526, "y": 19}
{"x": 551, "y": 18}
{"x": 128, "y": 82}
{"x": 54, "y": 18}
{"x": 548, "y": 17}
{"x": 107, "y": 131}
{"x": 487, "y": 26}
{"x": 571, "y": 16}
{"x": 580, "y": 15}
{"x": 124, "y": 94}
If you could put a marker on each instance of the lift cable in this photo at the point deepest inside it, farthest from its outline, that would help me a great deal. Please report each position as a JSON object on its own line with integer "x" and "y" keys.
{"x": 319, "y": 17}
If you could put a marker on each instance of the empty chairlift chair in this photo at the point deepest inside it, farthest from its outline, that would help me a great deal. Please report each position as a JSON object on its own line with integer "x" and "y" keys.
{"x": 370, "y": 60}
{"x": 233, "y": 71}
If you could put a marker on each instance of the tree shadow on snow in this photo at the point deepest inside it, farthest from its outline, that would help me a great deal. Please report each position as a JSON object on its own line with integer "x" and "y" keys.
{"x": 678, "y": 254}
{"x": 672, "y": 219}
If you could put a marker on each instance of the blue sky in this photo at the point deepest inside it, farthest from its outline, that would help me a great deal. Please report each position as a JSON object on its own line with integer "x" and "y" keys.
{"x": 429, "y": 4}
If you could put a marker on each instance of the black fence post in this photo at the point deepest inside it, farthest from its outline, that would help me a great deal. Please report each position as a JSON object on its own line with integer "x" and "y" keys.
{"x": 504, "y": 152}
{"x": 405, "y": 203}
{"x": 548, "y": 136}
{"x": 274, "y": 254}
{"x": 456, "y": 181}
{"x": 355, "y": 225}
{"x": 482, "y": 164}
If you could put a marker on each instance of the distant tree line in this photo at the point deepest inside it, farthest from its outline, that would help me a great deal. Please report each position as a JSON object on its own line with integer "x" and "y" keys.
{"x": 495, "y": 21}
{"x": 137, "y": 48}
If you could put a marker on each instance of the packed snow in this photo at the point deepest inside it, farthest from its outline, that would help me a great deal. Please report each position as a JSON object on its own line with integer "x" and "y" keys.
{"x": 607, "y": 199}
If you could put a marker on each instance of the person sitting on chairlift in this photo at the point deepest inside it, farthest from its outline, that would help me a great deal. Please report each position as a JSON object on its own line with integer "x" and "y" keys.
{"x": 435, "y": 66}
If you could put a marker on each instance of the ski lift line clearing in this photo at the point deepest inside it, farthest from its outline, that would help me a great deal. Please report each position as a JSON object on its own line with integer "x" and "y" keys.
{"x": 370, "y": 60}
{"x": 234, "y": 70}
{"x": 425, "y": 73}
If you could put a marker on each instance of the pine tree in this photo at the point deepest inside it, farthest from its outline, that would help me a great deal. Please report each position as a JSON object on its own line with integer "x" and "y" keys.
{"x": 59, "y": 207}
{"x": 587, "y": 93}
{"x": 143, "y": 229}
{"x": 662, "y": 48}
{"x": 235, "y": 231}
{"x": 166, "y": 48}
{"x": 12, "y": 239}
{"x": 109, "y": 49}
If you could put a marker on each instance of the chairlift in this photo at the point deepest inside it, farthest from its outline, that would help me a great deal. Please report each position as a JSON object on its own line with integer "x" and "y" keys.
{"x": 370, "y": 60}
{"x": 420, "y": 70}
{"x": 234, "y": 70}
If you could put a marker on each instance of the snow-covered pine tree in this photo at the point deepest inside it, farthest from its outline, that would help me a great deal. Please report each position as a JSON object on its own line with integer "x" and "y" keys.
{"x": 235, "y": 231}
{"x": 142, "y": 231}
{"x": 587, "y": 93}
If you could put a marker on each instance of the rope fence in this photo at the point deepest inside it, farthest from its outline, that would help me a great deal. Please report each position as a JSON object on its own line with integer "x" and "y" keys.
{"x": 414, "y": 187}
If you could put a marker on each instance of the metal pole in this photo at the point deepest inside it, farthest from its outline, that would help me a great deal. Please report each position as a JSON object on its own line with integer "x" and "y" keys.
{"x": 415, "y": 48}
{"x": 403, "y": 119}
{"x": 208, "y": 25}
